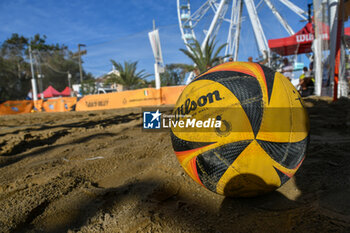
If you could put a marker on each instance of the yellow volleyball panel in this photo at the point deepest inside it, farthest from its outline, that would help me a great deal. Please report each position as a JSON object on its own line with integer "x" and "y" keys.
{"x": 210, "y": 102}
{"x": 252, "y": 173}
{"x": 285, "y": 118}
{"x": 300, "y": 121}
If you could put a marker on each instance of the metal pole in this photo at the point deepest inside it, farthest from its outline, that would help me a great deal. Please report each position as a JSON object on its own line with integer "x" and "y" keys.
{"x": 156, "y": 75}
{"x": 40, "y": 75}
{"x": 69, "y": 76}
{"x": 333, "y": 30}
{"x": 238, "y": 29}
{"x": 35, "y": 92}
{"x": 317, "y": 45}
{"x": 80, "y": 69}
{"x": 40, "y": 78}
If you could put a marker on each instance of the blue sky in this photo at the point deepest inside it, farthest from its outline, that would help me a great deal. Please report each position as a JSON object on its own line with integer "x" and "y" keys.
{"x": 118, "y": 30}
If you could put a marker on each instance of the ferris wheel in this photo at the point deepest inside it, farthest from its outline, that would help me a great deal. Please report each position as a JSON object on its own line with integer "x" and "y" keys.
{"x": 204, "y": 21}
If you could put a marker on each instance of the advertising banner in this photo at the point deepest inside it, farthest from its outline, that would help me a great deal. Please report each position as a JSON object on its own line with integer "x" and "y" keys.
{"x": 16, "y": 107}
{"x": 38, "y": 105}
{"x": 125, "y": 99}
{"x": 64, "y": 104}
{"x": 171, "y": 94}
{"x": 155, "y": 43}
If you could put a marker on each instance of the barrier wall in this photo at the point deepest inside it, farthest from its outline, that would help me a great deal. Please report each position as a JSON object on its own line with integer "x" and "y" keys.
{"x": 70, "y": 103}
{"x": 64, "y": 104}
{"x": 171, "y": 94}
{"x": 133, "y": 98}
{"x": 38, "y": 105}
{"x": 125, "y": 99}
{"x": 16, "y": 107}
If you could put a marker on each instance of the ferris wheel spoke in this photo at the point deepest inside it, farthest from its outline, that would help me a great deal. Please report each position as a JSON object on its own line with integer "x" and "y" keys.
{"x": 294, "y": 8}
{"x": 234, "y": 30}
{"x": 257, "y": 28}
{"x": 202, "y": 10}
{"x": 215, "y": 13}
{"x": 214, "y": 5}
{"x": 259, "y": 5}
{"x": 220, "y": 20}
{"x": 197, "y": 16}
{"x": 279, "y": 17}
{"x": 231, "y": 29}
{"x": 214, "y": 22}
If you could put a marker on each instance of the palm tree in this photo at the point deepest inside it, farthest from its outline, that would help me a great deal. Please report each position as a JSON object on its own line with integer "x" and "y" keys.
{"x": 128, "y": 76}
{"x": 204, "y": 58}
{"x": 174, "y": 74}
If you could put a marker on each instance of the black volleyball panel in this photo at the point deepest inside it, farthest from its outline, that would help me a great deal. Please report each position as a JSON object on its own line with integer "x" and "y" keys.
{"x": 212, "y": 164}
{"x": 288, "y": 154}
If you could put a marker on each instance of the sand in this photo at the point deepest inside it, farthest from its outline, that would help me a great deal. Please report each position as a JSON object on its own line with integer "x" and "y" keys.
{"x": 98, "y": 172}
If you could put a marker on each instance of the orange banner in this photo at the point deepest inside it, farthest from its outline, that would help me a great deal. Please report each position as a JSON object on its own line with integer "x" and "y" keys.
{"x": 70, "y": 103}
{"x": 125, "y": 99}
{"x": 16, "y": 107}
{"x": 64, "y": 104}
{"x": 38, "y": 105}
{"x": 171, "y": 94}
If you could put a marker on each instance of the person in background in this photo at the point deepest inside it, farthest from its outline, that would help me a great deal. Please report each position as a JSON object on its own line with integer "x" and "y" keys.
{"x": 261, "y": 62}
{"x": 311, "y": 72}
{"x": 301, "y": 85}
{"x": 287, "y": 69}
{"x": 29, "y": 95}
{"x": 265, "y": 60}
{"x": 308, "y": 82}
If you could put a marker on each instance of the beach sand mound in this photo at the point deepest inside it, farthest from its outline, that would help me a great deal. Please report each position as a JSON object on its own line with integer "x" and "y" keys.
{"x": 97, "y": 171}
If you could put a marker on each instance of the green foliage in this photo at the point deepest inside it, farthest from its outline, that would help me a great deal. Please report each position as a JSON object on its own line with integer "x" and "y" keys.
{"x": 128, "y": 76}
{"x": 206, "y": 58}
{"x": 55, "y": 66}
{"x": 88, "y": 86}
{"x": 12, "y": 79}
{"x": 53, "y": 61}
{"x": 39, "y": 43}
{"x": 148, "y": 84}
{"x": 174, "y": 74}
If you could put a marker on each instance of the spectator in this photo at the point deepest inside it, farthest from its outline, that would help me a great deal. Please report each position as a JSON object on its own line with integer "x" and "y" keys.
{"x": 29, "y": 95}
{"x": 301, "y": 85}
{"x": 287, "y": 69}
{"x": 311, "y": 72}
{"x": 307, "y": 83}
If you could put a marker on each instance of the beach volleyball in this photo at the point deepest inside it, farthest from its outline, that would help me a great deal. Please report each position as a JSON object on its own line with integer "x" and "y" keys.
{"x": 256, "y": 134}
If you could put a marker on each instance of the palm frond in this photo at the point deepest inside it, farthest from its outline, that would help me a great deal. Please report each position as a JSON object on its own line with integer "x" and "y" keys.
{"x": 128, "y": 75}
{"x": 206, "y": 57}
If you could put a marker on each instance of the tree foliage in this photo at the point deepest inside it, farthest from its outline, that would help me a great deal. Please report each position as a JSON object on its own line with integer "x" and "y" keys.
{"x": 128, "y": 76}
{"x": 174, "y": 74}
{"x": 52, "y": 61}
{"x": 206, "y": 58}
